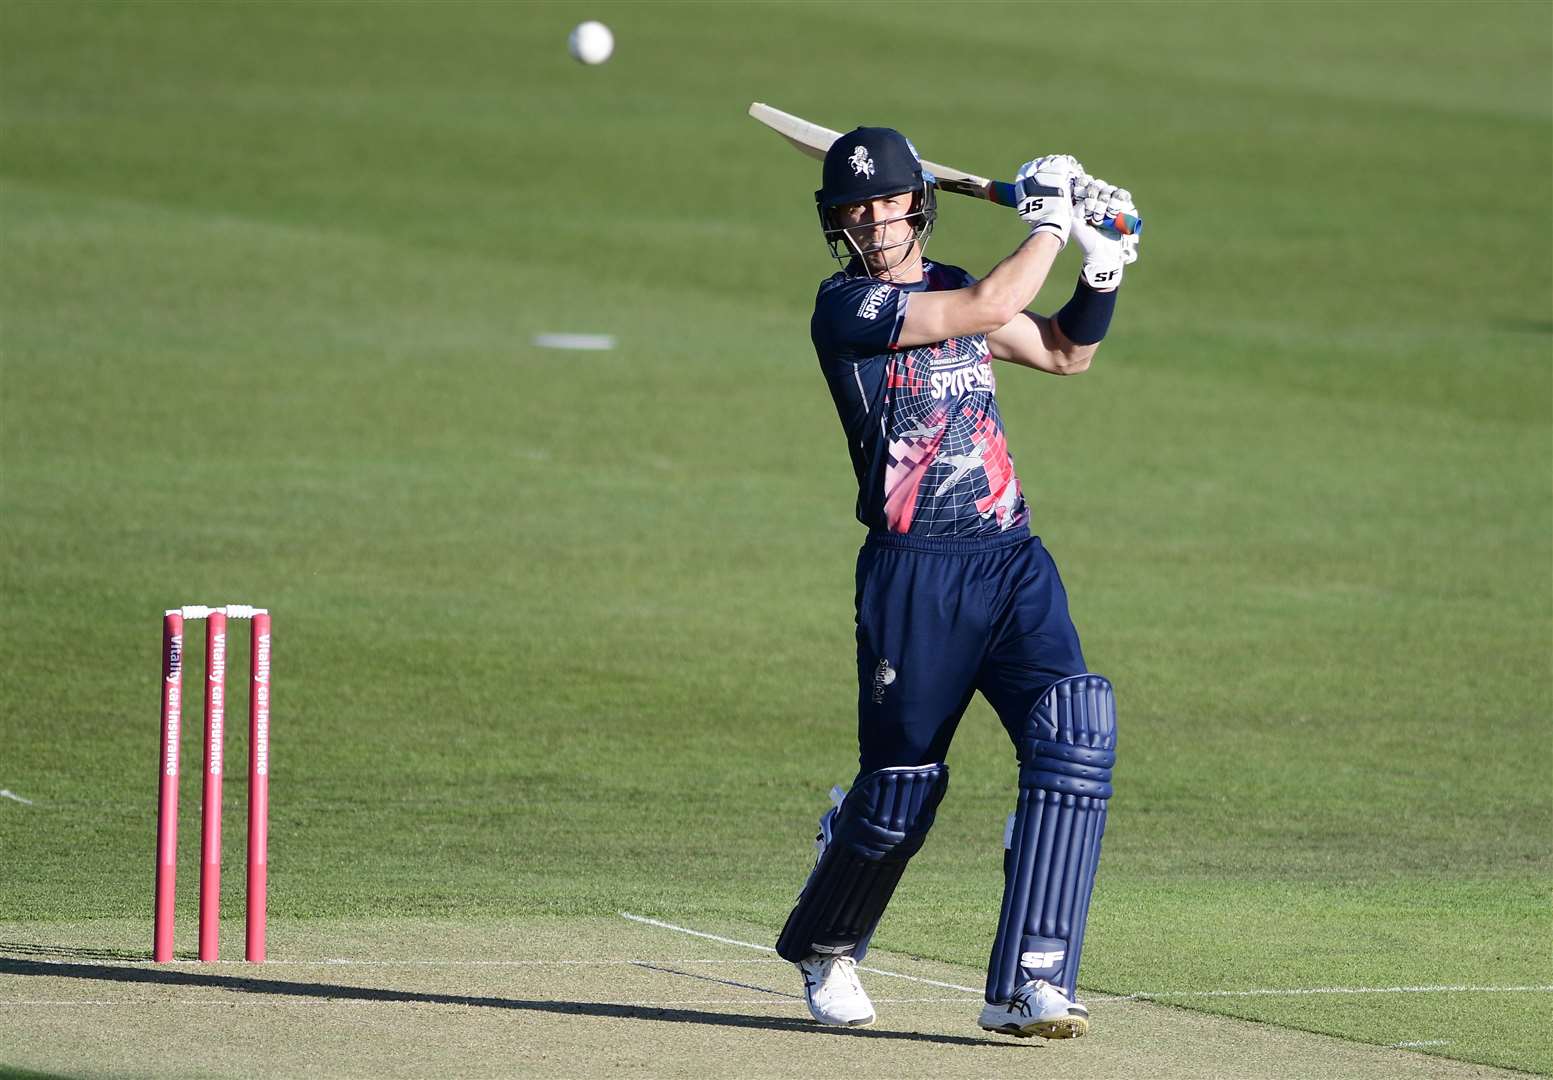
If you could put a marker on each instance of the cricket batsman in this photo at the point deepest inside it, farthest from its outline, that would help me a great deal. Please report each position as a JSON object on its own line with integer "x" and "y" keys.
{"x": 954, "y": 593}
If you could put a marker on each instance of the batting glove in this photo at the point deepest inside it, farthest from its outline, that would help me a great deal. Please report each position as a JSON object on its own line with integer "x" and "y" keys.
{"x": 1106, "y": 252}
{"x": 1045, "y": 189}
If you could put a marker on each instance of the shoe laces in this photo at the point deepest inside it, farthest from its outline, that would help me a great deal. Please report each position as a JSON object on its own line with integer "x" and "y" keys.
{"x": 827, "y": 971}
{"x": 844, "y": 969}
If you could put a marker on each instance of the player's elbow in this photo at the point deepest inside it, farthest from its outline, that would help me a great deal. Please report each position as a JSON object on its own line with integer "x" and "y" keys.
{"x": 992, "y": 309}
{"x": 1071, "y": 363}
{"x": 999, "y": 316}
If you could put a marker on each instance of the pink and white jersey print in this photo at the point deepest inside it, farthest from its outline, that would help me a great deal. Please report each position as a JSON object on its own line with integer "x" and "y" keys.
{"x": 922, "y": 424}
{"x": 946, "y": 469}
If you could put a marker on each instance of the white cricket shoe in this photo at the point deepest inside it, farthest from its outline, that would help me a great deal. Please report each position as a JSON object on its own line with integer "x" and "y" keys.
{"x": 1037, "y": 1008}
{"x": 834, "y": 992}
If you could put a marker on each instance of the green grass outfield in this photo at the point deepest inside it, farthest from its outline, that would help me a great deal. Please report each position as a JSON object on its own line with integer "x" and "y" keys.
{"x": 560, "y": 635}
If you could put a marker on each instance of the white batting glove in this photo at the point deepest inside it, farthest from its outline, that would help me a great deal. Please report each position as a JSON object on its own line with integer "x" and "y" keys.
{"x": 1105, "y": 252}
{"x": 1045, "y": 188}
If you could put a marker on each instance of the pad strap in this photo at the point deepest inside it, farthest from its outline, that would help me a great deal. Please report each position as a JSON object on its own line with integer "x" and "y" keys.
{"x": 879, "y": 826}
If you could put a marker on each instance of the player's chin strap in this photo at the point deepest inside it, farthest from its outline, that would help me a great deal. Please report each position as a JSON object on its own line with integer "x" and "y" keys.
{"x": 849, "y": 253}
{"x": 1053, "y": 839}
{"x": 865, "y": 842}
{"x": 915, "y": 247}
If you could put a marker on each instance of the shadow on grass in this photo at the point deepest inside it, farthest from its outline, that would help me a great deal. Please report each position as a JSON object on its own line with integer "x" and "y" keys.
{"x": 9, "y": 1073}
{"x": 27, "y": 948}
{"x": 158, "y": 976}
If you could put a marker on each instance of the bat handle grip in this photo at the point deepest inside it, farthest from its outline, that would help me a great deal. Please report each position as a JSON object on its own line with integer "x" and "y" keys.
{"x": 1122, "y": 224}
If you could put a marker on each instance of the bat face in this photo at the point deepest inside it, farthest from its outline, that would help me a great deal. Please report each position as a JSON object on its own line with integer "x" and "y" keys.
{"x": 814, "y": 140}
{"x": 807, "y": 138}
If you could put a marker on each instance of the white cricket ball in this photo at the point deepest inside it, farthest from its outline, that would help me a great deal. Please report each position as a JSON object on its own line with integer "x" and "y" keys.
{"x": 591, "y": 42}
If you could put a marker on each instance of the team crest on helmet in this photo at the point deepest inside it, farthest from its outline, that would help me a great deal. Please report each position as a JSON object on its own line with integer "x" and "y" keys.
{"x": 862, "y": 164}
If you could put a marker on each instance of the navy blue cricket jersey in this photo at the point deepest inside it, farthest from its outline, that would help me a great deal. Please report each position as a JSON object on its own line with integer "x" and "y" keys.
{"x": 922, "y": 424}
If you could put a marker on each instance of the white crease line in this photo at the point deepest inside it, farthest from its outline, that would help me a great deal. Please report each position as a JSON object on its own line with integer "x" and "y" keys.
{"x": 696, "y": 933}
{"x": 915, "y": 978}
{"x": 1301, "y": 991}
{"x": 7, "y": 793}
{"x": 1420, "y": 1042}
{"x": 1145, "y": 995}
{"x": 769, "y": 949}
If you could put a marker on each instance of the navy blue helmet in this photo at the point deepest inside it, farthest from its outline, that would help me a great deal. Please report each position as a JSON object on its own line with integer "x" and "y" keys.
{"x": 873, "y": 163}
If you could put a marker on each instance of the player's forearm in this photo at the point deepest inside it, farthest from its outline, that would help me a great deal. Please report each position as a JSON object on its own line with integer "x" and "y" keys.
{"x": 1013, "y": 283}
{"x": 1036, "y": 341}
{"x": 985, "y": 306}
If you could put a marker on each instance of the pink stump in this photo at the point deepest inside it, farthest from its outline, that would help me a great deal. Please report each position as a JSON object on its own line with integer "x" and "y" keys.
{"x": 167, "y": 788}
{"x": 258, "y": 786}
{"x": 210, "y": 838}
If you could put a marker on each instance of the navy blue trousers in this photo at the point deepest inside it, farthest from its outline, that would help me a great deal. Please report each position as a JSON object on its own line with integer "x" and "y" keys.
{"x": 938, "y": 620}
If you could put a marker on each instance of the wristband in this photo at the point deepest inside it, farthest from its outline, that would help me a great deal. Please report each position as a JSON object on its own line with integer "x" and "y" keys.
{"x": 1084, "y": 319}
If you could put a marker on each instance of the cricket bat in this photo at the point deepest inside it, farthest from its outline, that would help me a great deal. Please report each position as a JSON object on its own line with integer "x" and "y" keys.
{"x": 814, "y": 140}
